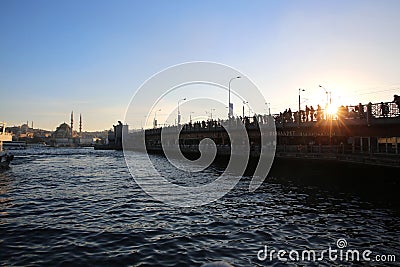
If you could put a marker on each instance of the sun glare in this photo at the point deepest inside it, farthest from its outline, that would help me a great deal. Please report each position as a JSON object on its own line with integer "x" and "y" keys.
{"x": 332, "y": 110}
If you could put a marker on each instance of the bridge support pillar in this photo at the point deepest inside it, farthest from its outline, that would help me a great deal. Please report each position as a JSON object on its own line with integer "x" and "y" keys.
{"x": 377, "y": 144}
{"x": 361, "y": 144}
{"x": 386, "y": 145}
{"x": 369, "y": 144}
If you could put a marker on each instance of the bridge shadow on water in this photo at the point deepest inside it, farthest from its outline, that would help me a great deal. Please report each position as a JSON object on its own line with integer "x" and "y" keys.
{"x": 377, "y": 184}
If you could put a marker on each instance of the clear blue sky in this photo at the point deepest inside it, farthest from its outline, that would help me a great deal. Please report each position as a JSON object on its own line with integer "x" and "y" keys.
{"x": 91, "y": 56}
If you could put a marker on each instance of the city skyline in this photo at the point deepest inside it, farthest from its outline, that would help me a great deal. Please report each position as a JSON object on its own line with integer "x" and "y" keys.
{"x": 92, "y": 56}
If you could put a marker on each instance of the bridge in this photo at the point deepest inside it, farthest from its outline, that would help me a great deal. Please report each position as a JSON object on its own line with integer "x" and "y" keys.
{"x": 367, "y": 134}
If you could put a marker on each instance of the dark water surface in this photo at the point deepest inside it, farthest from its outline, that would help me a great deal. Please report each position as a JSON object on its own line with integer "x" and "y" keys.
{"x": 81, "y": 207}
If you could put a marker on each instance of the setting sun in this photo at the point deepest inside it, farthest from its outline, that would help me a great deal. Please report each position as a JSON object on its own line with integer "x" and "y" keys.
{"x": 332, "y": 109}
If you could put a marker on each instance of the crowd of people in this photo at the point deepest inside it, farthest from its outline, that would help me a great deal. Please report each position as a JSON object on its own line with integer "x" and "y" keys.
{"x": 309, "y": 114}
{"x": 247, "y": 121}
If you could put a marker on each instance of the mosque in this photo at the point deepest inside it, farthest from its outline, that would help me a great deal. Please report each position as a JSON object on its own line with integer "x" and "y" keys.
{"x": 64, "y": 135}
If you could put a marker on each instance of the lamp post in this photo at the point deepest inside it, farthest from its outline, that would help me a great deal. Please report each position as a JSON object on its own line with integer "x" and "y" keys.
{"x": 211, "y": 112}
{"x": 326, "y": 112}
{"x": 327, "y": 93}
{"x": 190, "y": 116}
{"x": 269, "y": 108}
{"x": 244, "y": 103}
{"x": 298, "y": 113}
{"x": 179, "y": 113}
{"x": 230, "y": 105}
{"x": 213, "y": 109}
{"x": 155, "y": 119}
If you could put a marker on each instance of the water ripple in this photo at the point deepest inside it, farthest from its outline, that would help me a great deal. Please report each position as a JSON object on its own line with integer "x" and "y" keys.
{"x": 81, "y": 207}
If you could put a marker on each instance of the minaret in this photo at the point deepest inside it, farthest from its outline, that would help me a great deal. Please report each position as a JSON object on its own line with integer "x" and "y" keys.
{"x": 72, "y": 123}
{"x": 80, "y": 125}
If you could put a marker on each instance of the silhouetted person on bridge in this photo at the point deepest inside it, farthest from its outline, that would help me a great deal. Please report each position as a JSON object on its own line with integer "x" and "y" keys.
{"x": 260, "y": 119}
{"x": 296, "y": 116}
{"x": 289, "y": 115}
{"x": 307, "y": 112}
{"x": 319, "y": 113}
{"x": 255, "y": 122}
{"x": 280, "y": 117}
{"x": 396, "y": 100}
{"x": 384, "y": 109}
{"x": 238, "y": 121}
{"x": 369, "y": 111}
{"x": 303, "y": 116}
{"x": 361, "y": 111}
{"x": 312, "y": 111}
{"x": 285, "y": 114}
{"x": 246, "y": 121}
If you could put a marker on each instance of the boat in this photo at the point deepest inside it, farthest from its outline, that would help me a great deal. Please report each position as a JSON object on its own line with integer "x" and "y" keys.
{"x": 14, "y": 145}
{"x": 5, "y": 157}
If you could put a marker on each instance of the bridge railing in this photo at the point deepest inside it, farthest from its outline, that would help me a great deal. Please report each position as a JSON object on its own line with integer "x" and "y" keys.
{"x": 388, "y": 109}
{"x": 360, "y": 111}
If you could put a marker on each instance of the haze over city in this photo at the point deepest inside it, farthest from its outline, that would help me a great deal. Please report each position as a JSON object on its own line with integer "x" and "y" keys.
{"x": 91, "y": 56}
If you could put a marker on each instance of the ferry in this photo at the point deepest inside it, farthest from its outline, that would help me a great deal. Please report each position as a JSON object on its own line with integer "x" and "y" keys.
{"x": 5, "y": 157}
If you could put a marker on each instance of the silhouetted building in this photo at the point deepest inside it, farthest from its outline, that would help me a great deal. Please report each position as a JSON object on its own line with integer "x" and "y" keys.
{"x": 119, "y": 130}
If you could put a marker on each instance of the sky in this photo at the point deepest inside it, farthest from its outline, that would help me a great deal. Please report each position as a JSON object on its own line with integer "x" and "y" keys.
{"x": 92, "y": 56}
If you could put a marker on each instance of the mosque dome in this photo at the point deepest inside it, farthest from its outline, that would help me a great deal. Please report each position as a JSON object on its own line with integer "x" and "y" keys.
{"x": 62, "y": 131}
{"x": 24, "y": 128}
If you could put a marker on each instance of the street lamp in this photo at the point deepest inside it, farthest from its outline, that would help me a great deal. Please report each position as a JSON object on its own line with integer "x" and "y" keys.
{"x": 327, "y": 103}
{"x": 244, "y": 103}
{"x": 298, "y": 113}
{"x": 330, "y": 95}
{"x": 190, "y": 116}
{"x": 155, "y": 119}
{"x": 250, "y": 111}
{"x": 230, "y": 105}
{"x": 326, "y": 112}
{"x": 179, "y": 113}
{"x": 211, "y": 112}
{"x": 269, "y": 108}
